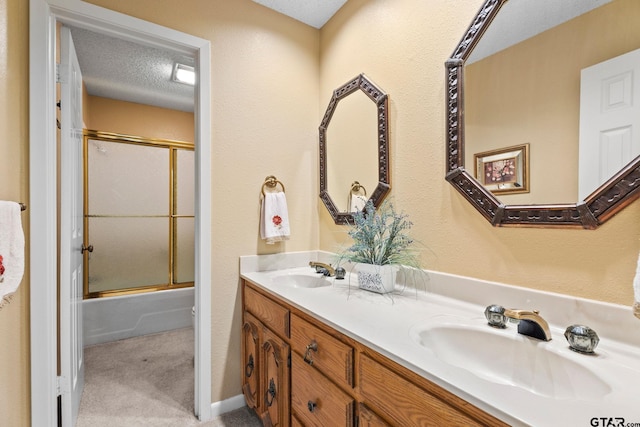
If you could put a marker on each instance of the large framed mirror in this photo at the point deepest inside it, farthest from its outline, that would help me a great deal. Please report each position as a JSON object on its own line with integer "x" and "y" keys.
{"x": 354, "y": 149}
{"x": 558, "y": 76}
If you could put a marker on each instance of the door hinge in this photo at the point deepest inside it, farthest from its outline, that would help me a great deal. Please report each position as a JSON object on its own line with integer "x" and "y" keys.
{"x": 61, "y": 386}
{"x": 60, "y": 72}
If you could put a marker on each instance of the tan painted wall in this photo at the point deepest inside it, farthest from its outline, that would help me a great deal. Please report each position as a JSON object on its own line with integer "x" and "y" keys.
{"x": 538, "y": 80}
{"x": 14, "y": 176}
{"x": 402, "y": 46}
{"x": 128, "y": 118}
{"x": 269, "y": 92}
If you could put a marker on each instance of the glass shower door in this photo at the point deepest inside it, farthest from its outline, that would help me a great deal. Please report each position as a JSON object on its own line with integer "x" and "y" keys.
{"x": 139, "y": 241}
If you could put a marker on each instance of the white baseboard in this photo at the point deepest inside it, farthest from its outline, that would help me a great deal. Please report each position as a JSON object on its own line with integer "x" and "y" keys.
{"x": 227, "y": 405}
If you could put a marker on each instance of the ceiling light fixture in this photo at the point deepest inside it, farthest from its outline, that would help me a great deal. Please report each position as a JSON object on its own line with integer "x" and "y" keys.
{"x": 184, "y": 74}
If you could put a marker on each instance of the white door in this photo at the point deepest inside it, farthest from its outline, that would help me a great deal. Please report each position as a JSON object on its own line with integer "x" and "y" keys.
{"x": 71, "y": 231}
{"x": 609, "y": 119}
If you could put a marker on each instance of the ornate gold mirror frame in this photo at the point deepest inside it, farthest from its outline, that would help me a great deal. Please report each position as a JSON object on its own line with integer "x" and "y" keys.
{"x": 609, "y": 199}
{"x": 361, "y": 82}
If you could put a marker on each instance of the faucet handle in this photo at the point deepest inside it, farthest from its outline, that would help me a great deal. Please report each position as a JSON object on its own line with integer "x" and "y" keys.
{"x": 495, "y": 316}
{"x": 582, "y": 339}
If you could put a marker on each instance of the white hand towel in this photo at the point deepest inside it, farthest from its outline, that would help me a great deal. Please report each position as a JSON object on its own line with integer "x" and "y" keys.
{"x": 357, "y": 202}
{"x": 11, "y": 250}
{"x": 636, "y": 290}
{"x": 274, "y": 218}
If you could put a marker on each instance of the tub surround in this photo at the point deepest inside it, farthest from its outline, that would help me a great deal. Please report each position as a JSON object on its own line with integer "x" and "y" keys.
{"x": 385, "y": 324}
{"x": 126, "y": 316}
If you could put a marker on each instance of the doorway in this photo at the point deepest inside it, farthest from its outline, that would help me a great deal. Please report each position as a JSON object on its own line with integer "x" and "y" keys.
{"x": 44, "y": 15}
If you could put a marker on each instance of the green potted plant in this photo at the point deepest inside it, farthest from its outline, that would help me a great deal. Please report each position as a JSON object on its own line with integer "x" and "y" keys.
{"x": 380, "y": 246}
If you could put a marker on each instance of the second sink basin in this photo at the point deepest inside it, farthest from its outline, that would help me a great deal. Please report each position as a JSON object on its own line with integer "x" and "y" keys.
{"x": 503, "y": 356}
{"x": 301, "y": 280}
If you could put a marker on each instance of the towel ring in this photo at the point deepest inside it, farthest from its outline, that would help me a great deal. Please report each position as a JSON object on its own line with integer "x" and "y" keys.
{"x": 356, "y": 187}
{"x": 271, "y": 181}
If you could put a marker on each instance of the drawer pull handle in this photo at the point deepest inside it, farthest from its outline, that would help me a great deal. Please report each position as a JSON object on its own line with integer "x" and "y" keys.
{"x": 248, "y": 370}
{"x": 313, "y": 346}
{"x": 311, "y": 406}
{"x": 271, "y": 391}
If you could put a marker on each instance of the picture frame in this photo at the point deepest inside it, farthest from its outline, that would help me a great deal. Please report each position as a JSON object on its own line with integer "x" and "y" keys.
{"x": 504, "y": 170}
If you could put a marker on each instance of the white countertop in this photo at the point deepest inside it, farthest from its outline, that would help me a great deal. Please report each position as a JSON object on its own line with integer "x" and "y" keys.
{"x": 385, "y": 323}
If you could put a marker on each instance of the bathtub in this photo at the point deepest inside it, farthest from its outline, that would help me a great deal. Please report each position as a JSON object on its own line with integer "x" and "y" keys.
{"x": 115, "y": 318}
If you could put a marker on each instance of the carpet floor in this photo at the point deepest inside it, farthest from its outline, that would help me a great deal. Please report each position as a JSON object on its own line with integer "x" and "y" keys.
{"x": 146, "y": 382}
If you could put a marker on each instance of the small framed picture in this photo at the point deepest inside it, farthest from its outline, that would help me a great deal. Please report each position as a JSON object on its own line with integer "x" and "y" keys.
{"x": 505, "y": 170}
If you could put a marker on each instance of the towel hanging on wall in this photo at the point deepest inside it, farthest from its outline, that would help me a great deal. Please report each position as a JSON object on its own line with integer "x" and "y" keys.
{"x": 274, "y": 218}
{"x": 11, "y": 250}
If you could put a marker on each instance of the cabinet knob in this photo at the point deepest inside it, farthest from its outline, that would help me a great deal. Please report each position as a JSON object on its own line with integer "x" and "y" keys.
{"x": 313, "y": 346}
{"x": 311, "y": 406}
{"x": 86, "y": 248}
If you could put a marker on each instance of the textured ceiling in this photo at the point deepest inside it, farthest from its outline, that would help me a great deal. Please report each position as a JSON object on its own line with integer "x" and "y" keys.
{"x": 119, "y": 69}
{"x": 312, "y": 12}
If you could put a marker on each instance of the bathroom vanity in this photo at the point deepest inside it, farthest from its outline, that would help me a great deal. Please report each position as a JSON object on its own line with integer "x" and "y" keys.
{"x": 334, "y": 378}
{"x": 318, "y": 351}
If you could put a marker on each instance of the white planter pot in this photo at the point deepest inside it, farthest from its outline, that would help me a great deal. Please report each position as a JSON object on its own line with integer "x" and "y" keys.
{"x": 377, "y": 278}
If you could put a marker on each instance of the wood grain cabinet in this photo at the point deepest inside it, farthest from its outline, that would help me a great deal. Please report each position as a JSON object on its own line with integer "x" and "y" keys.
{"x": 266, "y": 358}
{"x": 300, "y": 372}
{"x": 251, "y": 339}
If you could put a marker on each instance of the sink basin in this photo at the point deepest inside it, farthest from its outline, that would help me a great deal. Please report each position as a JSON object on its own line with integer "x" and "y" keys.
{"x": 301, "y": 280}
{"x": 503, "y": 356}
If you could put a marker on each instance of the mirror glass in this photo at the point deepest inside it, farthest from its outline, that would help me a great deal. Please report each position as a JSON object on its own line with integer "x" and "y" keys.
{"x": 353, "y": 149}
{"x": 351, "y": 152}
{"x": 561, "y": 77}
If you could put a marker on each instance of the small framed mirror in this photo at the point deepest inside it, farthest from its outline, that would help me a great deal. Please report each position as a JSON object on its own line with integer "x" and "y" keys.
{"x": 533, "y": 74}
{"x": 354, "y": 149}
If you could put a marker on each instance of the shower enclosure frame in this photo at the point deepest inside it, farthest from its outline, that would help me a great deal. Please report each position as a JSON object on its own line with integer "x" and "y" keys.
{"x": 171, "y": 145}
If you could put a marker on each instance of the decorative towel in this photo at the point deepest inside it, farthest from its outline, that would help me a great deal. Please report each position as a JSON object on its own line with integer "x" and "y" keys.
{"x": 357, "y": 202}
{"x": 274, "y": 218}
{"x": 636, "y": 290}
{"x": 11, "y": 250}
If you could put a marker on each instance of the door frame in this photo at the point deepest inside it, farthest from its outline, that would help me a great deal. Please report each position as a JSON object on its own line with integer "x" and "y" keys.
{"x": 43, "y": 15}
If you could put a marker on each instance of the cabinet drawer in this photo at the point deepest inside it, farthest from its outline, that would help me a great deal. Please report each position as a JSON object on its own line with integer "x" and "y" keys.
{"x": 367, "y": 418}
{"x": 315, "y": 400}
{"x": 331, "y": 356}
{"x": 270, "y": 313}
{"x": 403, "y": 401}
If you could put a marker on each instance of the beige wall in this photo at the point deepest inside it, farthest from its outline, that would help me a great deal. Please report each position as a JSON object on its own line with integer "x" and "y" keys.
{"x": 14, "y": 176}
{"x": 539, "y": 80}
{"x": 128, "y": 118}
{"x": 269, "y": 92}
{"x": 402, "y": 46}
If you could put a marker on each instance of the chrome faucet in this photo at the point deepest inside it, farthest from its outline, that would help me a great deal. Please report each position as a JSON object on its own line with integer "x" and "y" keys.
{"x": 323, "y": 268}
{"x": 530, "y": 323}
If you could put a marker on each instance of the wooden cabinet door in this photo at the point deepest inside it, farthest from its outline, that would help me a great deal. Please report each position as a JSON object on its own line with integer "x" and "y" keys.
{"x": 274, "y": 381}
{"x": 316, "y": 401}
{"x": 251, "y": 331}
